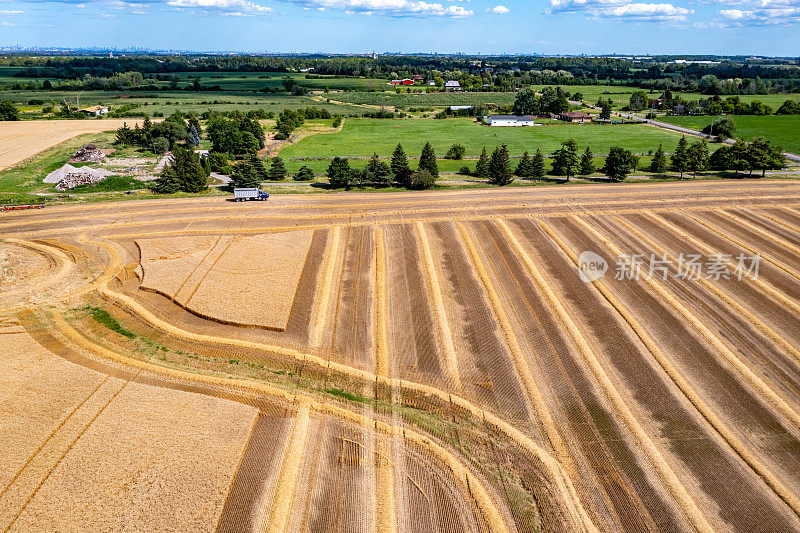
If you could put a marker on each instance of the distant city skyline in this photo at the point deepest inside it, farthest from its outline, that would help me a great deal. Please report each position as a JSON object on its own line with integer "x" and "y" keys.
{"x": 725, "y": 27}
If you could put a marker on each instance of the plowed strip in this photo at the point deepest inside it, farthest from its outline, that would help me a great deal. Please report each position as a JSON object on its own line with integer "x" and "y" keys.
{"x": 325, "y": 289}
{"x": 381, "y": 327}
{"x": 434, "y": 291}
{"x": 287, "y": 481}
{"x": 683, "y": 498}
{"x": 691, "y": 393}
{"x": 707, "y": 457}
{"x": 248, "y": 500}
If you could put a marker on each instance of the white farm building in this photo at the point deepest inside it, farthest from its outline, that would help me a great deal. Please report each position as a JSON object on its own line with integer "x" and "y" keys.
{"x": 510, "y": 120}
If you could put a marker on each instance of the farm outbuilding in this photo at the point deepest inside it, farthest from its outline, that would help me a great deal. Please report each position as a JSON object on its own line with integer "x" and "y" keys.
{"x": 575, "y": 116}
{"x": 95, "y": 110}
{"x": 510, "y": 120}
{"x": 452, "y": 85}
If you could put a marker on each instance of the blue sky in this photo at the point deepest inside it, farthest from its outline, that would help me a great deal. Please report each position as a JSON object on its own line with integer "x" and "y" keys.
{"x": 763, "y": 27}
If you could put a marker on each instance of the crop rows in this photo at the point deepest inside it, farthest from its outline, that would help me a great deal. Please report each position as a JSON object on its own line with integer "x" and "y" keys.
{"x": 622, "y": 404}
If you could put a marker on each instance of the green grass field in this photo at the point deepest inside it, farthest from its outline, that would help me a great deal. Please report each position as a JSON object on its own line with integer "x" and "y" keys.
{"x": 167, "y": 103}
{"x": 255, "y": 81}
{"x": 620, "y": 94}
{"x": 392, "y": 99}
{"x": 362, "y": 137}
{"x": 783, "y": 130}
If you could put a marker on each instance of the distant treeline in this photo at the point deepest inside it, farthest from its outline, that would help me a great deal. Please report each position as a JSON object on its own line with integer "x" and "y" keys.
{"x": 729, "y": 76}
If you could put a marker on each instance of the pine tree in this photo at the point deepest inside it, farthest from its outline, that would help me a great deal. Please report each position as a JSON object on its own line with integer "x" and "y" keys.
{"x": 244, "y": 175}
{"x": 697, "y": 157}
{"x": 587, "y": 163}
{"x": 184, "y": 173}
{"x": 565, "y": 159}
{"x": 399, "y": 160}
{"x": 427, "y": 161}
{"x": 680, "y": 159}
{"x": 277, "y": 171}
{"x": 259, "y": 169}
{"x": 659, "y": 163}
{"x": 500, "y": 167}
{"x": 192, "y": 138}
{"x": 147, "y": 124}
{"x": 304, "y": 174}
{"x": 537, "y": 165}
{"x": 619, "y": 163}
{"x": 525, "y": 166}
{"x": 339, "y": 172}
{"x": 482, "y": 168}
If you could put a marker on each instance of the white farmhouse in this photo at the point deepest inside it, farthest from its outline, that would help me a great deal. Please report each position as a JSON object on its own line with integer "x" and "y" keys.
{"x": 510, "y": 120}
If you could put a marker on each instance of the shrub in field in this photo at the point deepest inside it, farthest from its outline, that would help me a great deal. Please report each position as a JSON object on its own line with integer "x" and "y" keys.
{"x": 422, "y": 179}
{"x": 789, "y": 107}
{"x": 8, "y": 111}
{"x": 304, "y": 174}
{"x": 464, "y": 171}
{"x": 456, "y": 152}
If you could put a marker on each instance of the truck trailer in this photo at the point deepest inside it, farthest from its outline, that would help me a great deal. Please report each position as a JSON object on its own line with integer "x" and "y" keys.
{"x": 250, "y": 193}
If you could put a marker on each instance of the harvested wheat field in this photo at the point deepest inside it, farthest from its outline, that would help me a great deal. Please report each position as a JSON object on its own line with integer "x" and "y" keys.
{"x": 408, "y": 362}
{"x": 24, "y": 139}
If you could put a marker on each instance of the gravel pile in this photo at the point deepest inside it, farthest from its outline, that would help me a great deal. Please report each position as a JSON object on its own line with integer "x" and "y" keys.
{"x": 57, "y": 176}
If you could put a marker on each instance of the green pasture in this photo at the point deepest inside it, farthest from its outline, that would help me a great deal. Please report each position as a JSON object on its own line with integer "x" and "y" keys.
{"x": 168, "y": 102}
{"x": 362, "y": 137}
{"x": 783, "y": 130}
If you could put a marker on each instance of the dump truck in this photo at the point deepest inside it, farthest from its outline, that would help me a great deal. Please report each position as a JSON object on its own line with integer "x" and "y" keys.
{"x": 250, "y": 193}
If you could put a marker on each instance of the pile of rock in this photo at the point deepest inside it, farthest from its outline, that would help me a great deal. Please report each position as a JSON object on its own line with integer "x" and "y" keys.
{"x": 88, "y": 154}
{"x": 69, "y": 177}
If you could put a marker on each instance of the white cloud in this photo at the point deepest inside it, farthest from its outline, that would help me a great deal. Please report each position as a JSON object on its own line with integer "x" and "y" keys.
{"x": 400, "y": 8}
{"x": 499, "y": 10}
{"x": 573, "y": 6}
{"x": 622, "y": 10}
{"x": 649, "y": 12}
{"x": 230, "y": 7}
{"x": 763, "y": 16}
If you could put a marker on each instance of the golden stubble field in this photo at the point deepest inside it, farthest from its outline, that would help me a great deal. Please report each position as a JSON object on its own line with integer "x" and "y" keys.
{"x": 408, "y": 362}
{"x": 20, "y": 140}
